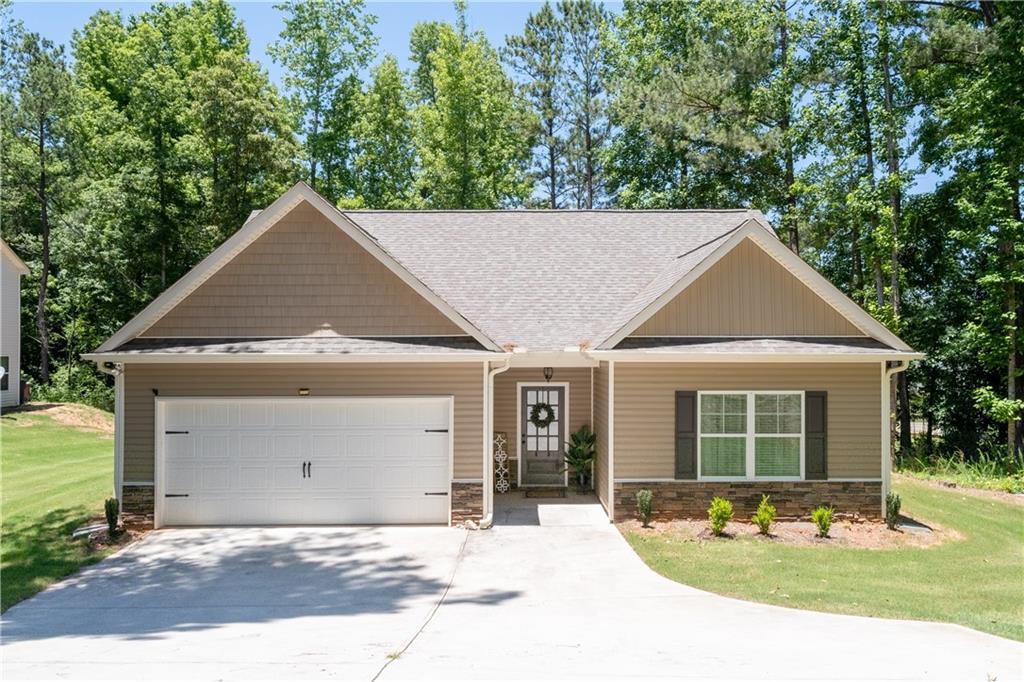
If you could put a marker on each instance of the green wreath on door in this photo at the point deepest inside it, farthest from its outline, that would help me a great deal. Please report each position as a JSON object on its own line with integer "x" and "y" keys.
{"x": 542, "y": 414}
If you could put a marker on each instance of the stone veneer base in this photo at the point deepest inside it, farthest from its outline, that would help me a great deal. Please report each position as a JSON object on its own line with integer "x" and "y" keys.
{"x": 791, "y": 499}
{"x": 467, "y": 501}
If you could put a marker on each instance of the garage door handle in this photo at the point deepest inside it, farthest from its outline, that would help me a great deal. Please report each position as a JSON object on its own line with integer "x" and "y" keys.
{"x": 445, "y": 494}
{"x": 435, "y": 430}
{"x": 176, "y": 433}
{"x": 175, "y": 494}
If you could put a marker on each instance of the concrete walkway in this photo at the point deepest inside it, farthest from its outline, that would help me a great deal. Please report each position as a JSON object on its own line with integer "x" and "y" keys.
{"x": 552, "y": 592}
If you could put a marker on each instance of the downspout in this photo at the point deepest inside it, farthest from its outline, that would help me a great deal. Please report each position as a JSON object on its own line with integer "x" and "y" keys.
{"x": 888, "y": 372}
{"x": 116, "y": 370}
{"x": 488, "y": 473}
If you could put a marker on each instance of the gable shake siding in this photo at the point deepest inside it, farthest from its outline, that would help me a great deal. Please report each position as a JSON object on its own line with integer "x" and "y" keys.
{"x": 303, "y": 276}
{"x": 747, "y": 293}
{"x": 645, "y": 410}
{"x": 463, "y": 381}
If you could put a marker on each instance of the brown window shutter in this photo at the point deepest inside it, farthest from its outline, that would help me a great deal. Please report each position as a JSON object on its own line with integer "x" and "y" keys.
{"x": 816, "y": 436}
{"x": 686, "y": 434}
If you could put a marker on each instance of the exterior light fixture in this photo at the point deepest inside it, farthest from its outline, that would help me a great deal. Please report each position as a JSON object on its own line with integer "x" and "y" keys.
{"x": 548, "y": 373}
{"x": 303, "y": 391}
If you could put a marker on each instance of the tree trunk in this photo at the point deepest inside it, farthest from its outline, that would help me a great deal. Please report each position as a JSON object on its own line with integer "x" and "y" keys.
{"x": 42, "y": 328}
{"x": 1015, "y": 307}
{"x": 789, "y": 220}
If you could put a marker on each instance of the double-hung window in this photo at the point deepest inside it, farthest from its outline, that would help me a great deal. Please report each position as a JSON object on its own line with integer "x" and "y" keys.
{"x": 751, "y": 435}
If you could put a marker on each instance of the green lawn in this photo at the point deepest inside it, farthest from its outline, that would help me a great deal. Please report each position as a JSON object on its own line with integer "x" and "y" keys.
{"x": 977, "y": 581}
{"x": 52, "y": 479}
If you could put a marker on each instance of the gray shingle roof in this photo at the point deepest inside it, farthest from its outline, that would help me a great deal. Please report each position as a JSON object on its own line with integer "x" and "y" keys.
{"x": 333, "y": 345}
{"x": 766, "y": 346}
{"x": 545, "y": 280}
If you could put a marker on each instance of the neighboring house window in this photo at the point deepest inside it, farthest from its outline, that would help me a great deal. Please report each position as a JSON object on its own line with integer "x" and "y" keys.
{"x": 6, "y": 362}
{"x": 754, "y": 434}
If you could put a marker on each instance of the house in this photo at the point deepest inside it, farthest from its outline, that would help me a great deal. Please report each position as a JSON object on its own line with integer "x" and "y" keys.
{"x": 327, "y": 366}
{"x": 12, "y": 269}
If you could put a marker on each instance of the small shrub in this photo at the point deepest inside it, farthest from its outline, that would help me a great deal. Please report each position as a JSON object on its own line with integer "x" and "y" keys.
{"x": 643, "y": 506}
{"x": 892, "y": 510}
{"x": 822, "y": 517}
{"x": 719, "y": 514}
{"x": 764, "y": 517}
{"x": 112, "y": 508}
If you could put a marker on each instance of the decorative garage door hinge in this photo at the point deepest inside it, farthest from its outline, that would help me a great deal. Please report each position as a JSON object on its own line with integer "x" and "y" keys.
{"x": 445, "y": 494}
{"x": 175, "y": 494}
{"x": 175, "y": 433}
{"x": 435, "y": 430}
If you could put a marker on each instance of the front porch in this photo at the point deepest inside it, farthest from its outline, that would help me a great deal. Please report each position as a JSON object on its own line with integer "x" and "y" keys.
{"x": 575, "y": 508}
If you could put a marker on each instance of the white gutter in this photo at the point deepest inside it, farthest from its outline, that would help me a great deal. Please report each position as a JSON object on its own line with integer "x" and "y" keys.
{"x": 669, "y": 356}
{"x": 887, "y": 375}
{"x": 195, "y": 358}
{"x": 117, "y": 371}
{"x": 488, "y": 474}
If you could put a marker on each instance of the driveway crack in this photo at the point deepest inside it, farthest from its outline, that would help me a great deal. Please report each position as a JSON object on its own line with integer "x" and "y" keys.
{"x": 430, "y": 616}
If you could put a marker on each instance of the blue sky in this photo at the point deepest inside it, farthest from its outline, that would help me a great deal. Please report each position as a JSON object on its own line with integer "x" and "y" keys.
{"x": 57, "y": 21}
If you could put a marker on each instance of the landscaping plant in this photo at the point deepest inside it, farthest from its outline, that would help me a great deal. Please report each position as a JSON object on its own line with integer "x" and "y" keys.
{"x": 112, "y": 508}
{"x": 719, "y": 514}
{"x": 764, "y": 516}
{"x": 822, "y": 517}
{"x": 892, "y": 510}
{"x": 579, "y": 454}
{"x": 643, "y": 506}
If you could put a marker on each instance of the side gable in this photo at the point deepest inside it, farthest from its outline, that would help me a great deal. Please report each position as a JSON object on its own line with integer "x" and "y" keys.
{"x": 747, "y": 293}
{"x": 253, "y": 230}
{"x": 756, "y": 235}
{"x": 303, "y": 277}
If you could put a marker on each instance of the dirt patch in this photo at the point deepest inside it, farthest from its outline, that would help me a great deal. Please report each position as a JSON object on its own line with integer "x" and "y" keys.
{"x": 69, "y": 414}
{"x": 998, "y": 495}
{"x": 844, "y": 533}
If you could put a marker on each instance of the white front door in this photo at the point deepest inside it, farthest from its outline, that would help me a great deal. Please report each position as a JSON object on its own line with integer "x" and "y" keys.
{"x": 268, "y": 461}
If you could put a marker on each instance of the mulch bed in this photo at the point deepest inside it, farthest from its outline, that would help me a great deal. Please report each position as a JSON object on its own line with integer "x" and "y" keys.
{"x": 844, "y": 533}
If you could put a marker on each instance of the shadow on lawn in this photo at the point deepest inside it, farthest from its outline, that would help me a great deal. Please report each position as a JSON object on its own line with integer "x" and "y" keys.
{"x": 36, "y": 551}
{"x": 204, "y": 578}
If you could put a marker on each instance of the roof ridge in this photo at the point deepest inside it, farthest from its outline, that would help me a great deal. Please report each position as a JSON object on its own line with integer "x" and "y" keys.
{"x": 526, "y": 211}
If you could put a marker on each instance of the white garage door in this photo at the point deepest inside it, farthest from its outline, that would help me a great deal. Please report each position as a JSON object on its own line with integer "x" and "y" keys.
{"x": 303, "y": 461}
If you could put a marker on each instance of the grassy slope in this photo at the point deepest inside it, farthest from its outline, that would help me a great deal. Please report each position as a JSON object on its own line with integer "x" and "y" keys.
{"x": 975, "y": 581}
{"x": 54, "y": 478}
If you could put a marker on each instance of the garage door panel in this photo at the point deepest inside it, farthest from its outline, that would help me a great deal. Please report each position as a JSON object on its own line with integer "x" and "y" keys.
{"x": 316, "y": 461}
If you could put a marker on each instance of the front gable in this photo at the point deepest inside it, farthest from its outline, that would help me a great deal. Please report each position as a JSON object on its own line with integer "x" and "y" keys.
{"x": 747, "y": 293}
{"x": 303, "y": 277}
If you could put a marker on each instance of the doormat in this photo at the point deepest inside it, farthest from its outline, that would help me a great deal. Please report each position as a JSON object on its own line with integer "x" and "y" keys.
{"x": 545, "y": 492}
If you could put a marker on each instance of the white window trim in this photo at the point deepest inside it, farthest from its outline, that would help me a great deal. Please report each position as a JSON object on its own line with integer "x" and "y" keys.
{"x": 750, "y": 436}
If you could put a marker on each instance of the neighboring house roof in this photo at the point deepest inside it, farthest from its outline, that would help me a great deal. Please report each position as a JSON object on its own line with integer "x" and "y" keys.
{"x": 13, "y": 258}
{"x": 535, "y": 280}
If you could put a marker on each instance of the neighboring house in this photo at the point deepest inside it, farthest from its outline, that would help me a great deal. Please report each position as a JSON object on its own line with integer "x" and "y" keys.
{"x": 11, "y": 270}
{"x": 324, "y": 366}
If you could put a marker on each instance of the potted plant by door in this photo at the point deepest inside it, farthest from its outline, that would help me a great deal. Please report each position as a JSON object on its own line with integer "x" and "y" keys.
{"x": 579, "y": 454}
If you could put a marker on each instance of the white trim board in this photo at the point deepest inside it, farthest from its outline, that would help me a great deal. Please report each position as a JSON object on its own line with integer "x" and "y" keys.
{"x": 770, "y": 244}
{"x": 251, "y": 231}
{"x": 566, "y": 415}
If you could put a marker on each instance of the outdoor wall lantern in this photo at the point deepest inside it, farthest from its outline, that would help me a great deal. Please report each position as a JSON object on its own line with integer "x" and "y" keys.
{"x": 303, "y": 391}
{"x": 548, "y": 373}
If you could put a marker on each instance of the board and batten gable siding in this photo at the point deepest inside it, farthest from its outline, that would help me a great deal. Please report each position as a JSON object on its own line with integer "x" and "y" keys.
{"x": 462, "y": 380}
{"x": 506, "y": 399}
{"x": 601, "y": 429}
{"x": 304, "y": 276}
{"x": 645, "y": 410}
{"x": 747, "y": 293}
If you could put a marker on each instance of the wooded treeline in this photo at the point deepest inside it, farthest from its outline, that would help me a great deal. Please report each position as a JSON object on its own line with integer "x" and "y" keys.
{"x": 131, "y": 153}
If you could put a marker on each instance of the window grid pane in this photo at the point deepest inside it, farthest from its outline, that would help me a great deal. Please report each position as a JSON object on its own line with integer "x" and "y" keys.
{"x": 777, "y": 456}
{"x": 723, "y": 413}
{"x": 777, "y": 413}
{"x": 723, "y": 456}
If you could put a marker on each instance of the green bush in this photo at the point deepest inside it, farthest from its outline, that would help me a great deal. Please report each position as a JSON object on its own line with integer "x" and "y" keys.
{"x": 995, "y": 471}
{"x": 719, "y": 514}
{"x": 822, "y": 517}
{"x": 112, "y": 509}
{"x": 643, "y": 506}
{"x": 892, "y": 510}
{"x": 78, "y": 383}
{"x": 764, "y": 517}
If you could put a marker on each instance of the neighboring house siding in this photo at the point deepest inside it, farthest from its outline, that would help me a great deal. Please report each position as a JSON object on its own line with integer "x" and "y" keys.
{"x": 10, "y": 329}
{"x": 463, "y": 381}
{"x": 747, "y": 293}
{"x": 601, "y": 429}
{"x": 506, "y": 400}
{"x": 303, "y": 276}
{"x": 645, "y": 410}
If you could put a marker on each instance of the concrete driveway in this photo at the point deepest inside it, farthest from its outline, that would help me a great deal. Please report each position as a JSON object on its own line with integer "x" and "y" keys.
{"x": 552, "y": 592}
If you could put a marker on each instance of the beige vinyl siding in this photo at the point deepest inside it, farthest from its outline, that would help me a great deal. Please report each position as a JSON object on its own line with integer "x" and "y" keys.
{"x": 506, "y": 400}
{"x": 747, "y": 293}
{"x": 645, "y": 410}
{"x": 464, "y": 381}
{"x": 601, "y": 429}
{"x": 304, "y": 276}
